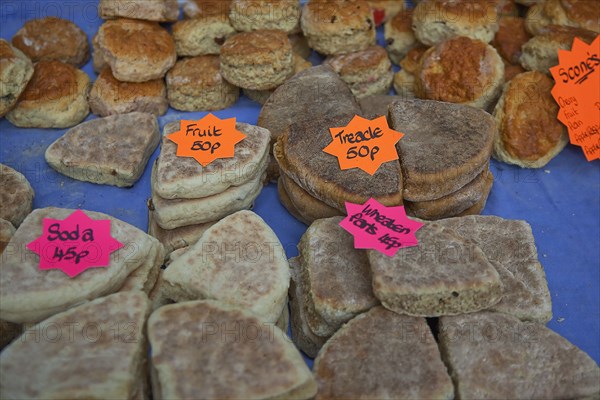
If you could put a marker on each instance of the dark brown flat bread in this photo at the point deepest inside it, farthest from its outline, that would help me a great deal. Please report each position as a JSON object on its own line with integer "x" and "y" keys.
{"x": 444, "y": 275}
{"x": 496, "y": 356}
{"x": 455, "y": 203}
{"x": 303, "y": 337}
{"x": 382, "y": 355}
{"x": 510, "y": 245}
{"x": 376, "y": 105}
{"x": 335, "y": 277}
{"x": 100, "y": 347}
{"x": 16, "y": 195}
{"x": 128, "y": 142}
{"x": 285, "y": 200}
{"x": 231, "y": 355}
{"x": 300, "y": 156}
{"x": 315, "y": 92}
{"x": 445, "y": 146}
{"x": 309, "y": 207}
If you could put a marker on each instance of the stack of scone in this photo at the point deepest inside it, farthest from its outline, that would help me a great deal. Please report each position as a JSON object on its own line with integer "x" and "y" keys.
{"x": 187, "y": 198}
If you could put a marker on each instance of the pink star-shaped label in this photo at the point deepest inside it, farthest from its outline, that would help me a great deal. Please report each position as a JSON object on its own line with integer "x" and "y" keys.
{"x": 375, "y": 226}
{"x": 74, "y": 244}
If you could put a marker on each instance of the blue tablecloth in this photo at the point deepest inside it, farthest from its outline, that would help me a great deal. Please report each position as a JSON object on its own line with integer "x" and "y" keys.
{"x": 561, "y": 201}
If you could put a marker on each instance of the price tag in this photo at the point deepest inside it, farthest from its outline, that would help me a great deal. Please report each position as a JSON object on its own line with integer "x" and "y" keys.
{"x": 577, "y": 92}
{"x": 208, "y": 139}
{"x": 364, "y": 144}
{"x": 375, "y": 226}
{"x": 74, "y": 244}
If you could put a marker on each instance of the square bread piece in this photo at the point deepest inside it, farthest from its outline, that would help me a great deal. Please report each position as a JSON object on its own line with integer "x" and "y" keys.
{"x": 497, "y": 356}
{"x": 210, "y": 350}
{"x": 382, "y": 355}
{"x": 96, "y": 350}
{"x": 510, "y": 247}
{"x": 335, "y": 278}
{"x": 28, "y": 294}
{"x": 185, "y": 178}
{"x": 444, "y": 275}
{"x": 128, "y": 141}
{"x": 239, "y": 261}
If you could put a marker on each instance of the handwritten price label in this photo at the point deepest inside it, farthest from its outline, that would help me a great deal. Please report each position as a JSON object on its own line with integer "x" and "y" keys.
{"x": 208, "y": 139}
{"x": 577, "y": 92}
{"x": 74, "y": 244}
{"x": 364, "y": 144}
{"x": 375, "y": 226}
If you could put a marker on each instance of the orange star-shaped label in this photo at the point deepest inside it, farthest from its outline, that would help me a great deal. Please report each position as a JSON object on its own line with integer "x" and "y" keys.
{"x": 577, "y": 92}
{"x": 208, "y": 139}
{"x": 364, "y": 144}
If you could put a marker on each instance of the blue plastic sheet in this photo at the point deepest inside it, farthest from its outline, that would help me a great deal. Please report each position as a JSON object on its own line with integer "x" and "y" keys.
{"x": 561, "y": 201}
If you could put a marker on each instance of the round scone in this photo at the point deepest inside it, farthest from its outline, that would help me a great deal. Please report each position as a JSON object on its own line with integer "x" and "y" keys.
{"x": 367, "y": 72}
{"x": 399, "y": 36}
{"x": 540, "y": 53}
{"x": 437, "y": 20}
{"x": 110, "y": 96}
{"x": 154, "y": 10}
{"x": 53, "y": 38}
{"x": 509, "y": 39}
{"x": 461, "y": 70}
{"x": 136, "y": 51}
{"x": 196, "y": 84}
{"x": 199, "y": 36}
{"x": 16, "y": 195}
{"x": 206, "y": 8}
{"x": 56, "y": 97}
{"x": 15, "y": 71}
{"x": 252, "y": 15}
{"x": 338, "y": 26}
{"x": 529, "y": 135}
{"x": 257, "y": 60}
{"x": 404, "y": 84}
{"x": 577, "y": 13}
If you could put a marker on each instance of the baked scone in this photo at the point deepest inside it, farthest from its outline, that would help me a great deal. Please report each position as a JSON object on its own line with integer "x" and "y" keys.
{"x": 509, "y": 39}
{"x": 195, "y": 84}
{"x": 110, "y": 96}
{"x": 511, "y": 70}
{"x": 404, "y": 84}
{"x": 206, "y": 8}
{"x": 136, "y": 51}
{"x": 576, "y": 13}
{"x": 506, "y": 8}
{"x": 367, "y": 72}
{"x": 252, "y": 15}
{"x": 52, "y": 38}
{"x": 202, "y": 35}
{"x": 412, "y": 62}
{"x": 56, "y": 97}
{"x": 16, "y": 70}
{"x": 16, "y": 195}
{"x": 540, "y": 53}
{"x": 151, "y": 10}
{"x": 338, "y": 26}
{"x": 257, "y": 60}
{"x": 461, "y": 70}
{"x": 300, "y": 45}
{"x": 437, "y": 20}
{"x": 529, "y": 135}
{"x": 399, "y": 36}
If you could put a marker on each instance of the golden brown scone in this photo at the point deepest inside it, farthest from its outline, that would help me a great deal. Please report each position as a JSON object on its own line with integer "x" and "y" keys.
{"x": 151, "y": 10}
{"x": 437, "y": 20}
{"x": 257, "y": 60}
{"x": 412, "y": 61}
{"x": 404, "y": 84}
{"x": 110, "y": 96}
{"x": 529, "y": 134}
{"x": 399, "y": 36}
{"x": 577, "y": 13}
{"x": 509, "y": 39}
{"x": 56, "y": 97}
{"x": 53, "y": 38}
{"x": 540, "y": 53}
{"x": 136, "y": 51}
{"x": 200, "y": 36}
{"x": 506, "y": 8}
{"x": 16, "y": 70}
{"x": 367, "y": 72}
{"x": 206, "y": 8}
{"x": 461, "y": 70}
{"x": 252, "y": 15}
{"x": 196, "y": 84}
{"x": 511, "y": 70}
{"x": 338, "y": 26}
{"x": 536, "y": 19}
